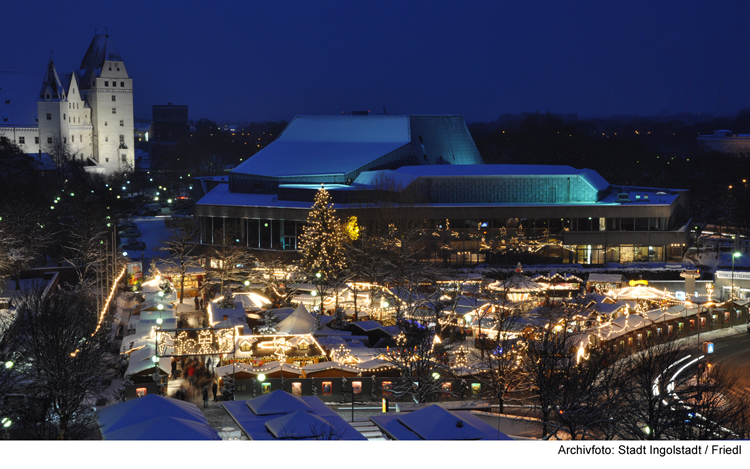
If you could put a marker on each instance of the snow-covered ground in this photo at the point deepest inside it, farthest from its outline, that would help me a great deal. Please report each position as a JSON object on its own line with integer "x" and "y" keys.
{"x": 154, "y": 234}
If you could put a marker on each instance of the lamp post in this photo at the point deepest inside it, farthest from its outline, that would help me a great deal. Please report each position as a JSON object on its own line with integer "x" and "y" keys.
{"x": 734, "y": 254}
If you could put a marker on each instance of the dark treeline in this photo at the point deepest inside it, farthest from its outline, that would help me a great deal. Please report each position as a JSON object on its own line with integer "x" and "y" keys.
{"x": 634, "y": 151}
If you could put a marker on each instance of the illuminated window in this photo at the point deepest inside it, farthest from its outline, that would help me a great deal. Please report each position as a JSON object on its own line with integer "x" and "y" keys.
{"x": 714, "y": 319}
{"x": 327, "y": 388}
{"x": 737, "y": 313}
{"x": 265, "y": 388}
{"x": 446, "y": 388}
{"x": 703, "y": 322}
{"x": 679, "y": 326}
{"x": 357, "y": 387}
{"x": 476, "y": 388}
{"x": 140, "y": 392}
{"x": 296, "y": 389}
{"x": 658, "y": 331}
{"x": 245, "y": 346}
{"x": 386, "y": 386}
{"x": 726, "y": 317}
{"x": 303, "y": 345}
{"x": 670, "y": 329}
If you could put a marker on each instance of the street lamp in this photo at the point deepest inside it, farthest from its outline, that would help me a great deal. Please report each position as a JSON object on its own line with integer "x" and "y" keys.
{"x": 734, "y": 254}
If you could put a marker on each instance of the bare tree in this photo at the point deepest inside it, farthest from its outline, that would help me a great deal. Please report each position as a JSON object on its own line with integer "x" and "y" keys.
{"x": 233, "y": 261}
{"x": 280, "y": 281}
{"x": 65, "y": 361}
{"x": 181, "y": 248}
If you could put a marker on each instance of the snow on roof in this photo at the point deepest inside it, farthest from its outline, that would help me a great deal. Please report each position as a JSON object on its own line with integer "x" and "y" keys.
{"x": 299, "y": 322}
{"x": 516, "y": 283}
{"x": 164, "y": 427}
{"x": 329, "y": 145}
{"x": 139, "y": 410}
{"x": 435, "y": 423}
{"x": 140, "y": 360}
{"x": 606, "y": 278}
{"x": 277, "y": 402}
{"x": 254, "y": 426}
{"x": 299, "y": 425}
{"x": 100, "y": 50}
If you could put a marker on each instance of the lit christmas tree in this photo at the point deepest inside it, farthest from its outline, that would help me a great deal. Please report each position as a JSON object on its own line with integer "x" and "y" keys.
{"x": 322, "y": 242}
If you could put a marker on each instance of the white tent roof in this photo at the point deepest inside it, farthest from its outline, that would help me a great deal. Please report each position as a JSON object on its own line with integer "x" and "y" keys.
{"x": 299, "y": 322}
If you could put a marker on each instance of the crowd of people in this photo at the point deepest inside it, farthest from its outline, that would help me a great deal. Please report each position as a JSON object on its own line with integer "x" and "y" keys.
{"x": 199, "y": 378}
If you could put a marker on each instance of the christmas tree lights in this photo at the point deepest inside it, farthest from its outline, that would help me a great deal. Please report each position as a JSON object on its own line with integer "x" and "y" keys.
{"x": 322, "y": 242}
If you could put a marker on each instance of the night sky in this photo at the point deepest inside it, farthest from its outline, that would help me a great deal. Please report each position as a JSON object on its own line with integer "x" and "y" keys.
{"x": 253, "y": 61}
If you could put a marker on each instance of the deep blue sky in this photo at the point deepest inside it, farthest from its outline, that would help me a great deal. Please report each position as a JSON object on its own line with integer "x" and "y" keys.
{"x": 270, "y": 60}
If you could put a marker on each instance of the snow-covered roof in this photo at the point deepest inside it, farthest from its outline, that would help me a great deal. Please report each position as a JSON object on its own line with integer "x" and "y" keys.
{"x": 328, "y": 145}
{"x": 299, "y": 322}
{"x": 516, "y": 283}
{"x": 436, "y": 423}
{"x": 254, "y": 425}
{"x": 141, "y": 360}
{"x": 606, "y": 278}
{"x": 154, "y": 417}
{"x": 100, "y": 50}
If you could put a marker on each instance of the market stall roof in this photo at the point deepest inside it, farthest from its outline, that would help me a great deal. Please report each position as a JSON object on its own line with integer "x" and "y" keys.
{"x": 165, "y": 427}
{"x": 641, "y": 292}
{"x": 139, "y": 410}
{"x": 141, "y": 360}
{"x": 273, "y": 406}
{"x": 436, "y": 423}
{"x": 299, "y": 322}
{"x": 516, "y": 283}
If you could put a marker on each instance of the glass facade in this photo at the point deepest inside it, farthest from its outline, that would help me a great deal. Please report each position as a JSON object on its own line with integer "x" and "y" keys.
{"x": 473, "y": 240}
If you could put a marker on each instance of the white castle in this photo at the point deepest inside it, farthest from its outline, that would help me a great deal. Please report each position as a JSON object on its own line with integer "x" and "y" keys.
{"x": 88, "y": 113}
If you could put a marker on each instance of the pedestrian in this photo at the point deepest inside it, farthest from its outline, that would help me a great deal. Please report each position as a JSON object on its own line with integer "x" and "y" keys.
{"x": 208, "y": 364}
{"x": 191, "y": 374}
{"x": 174, "y": 368}
{"x": 197, "y": 303}
{"x": 214, "y": 389}
{"x": 202, "y": 302}
{"x": 205, "y": 396}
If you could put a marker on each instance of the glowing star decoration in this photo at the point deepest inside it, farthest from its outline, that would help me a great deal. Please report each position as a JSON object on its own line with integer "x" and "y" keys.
{"x": 341, "y": 354}
{"x": 461, "y": 356}
{"x": 205, "y": 339}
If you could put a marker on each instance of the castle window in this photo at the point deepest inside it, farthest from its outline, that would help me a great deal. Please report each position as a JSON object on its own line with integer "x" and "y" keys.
{"x": 124, "y": 158}
{"x": 122, "y": 139}
{"x": 49, "y": 140}
{"x": 114, "y": 98}
{"x": 114, "y": 83}
{"x": 65, "y": 140}
{"x": 122, "y": 123}
{"x": 21, "y": 140}
{"x": 80, "y": 138}
{"x": 49, "y": 116}
{"x": 72, "y": 138}
{"x": 36, "y": 140}
{"x": 122, "y": 83}
{"x": 114, "y": 110}
{"x": 105, "y": 123}
{"x": 106, "y": 160}
{"x": 64, "y": 117}
{"x": 106, "y": 139}
{"x": 106, "y": 83}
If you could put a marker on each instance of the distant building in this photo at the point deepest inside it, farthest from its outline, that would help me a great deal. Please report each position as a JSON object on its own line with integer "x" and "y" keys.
{"x": 169, "y": 130}
{"x": 89, "y": 112}
{"x": 471, "y": 212}
{"x": 725, "y": 141}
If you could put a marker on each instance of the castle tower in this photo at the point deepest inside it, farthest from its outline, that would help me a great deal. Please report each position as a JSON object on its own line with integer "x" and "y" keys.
{"x": 51, "y": 105}
{"x": 108, "y": 91}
